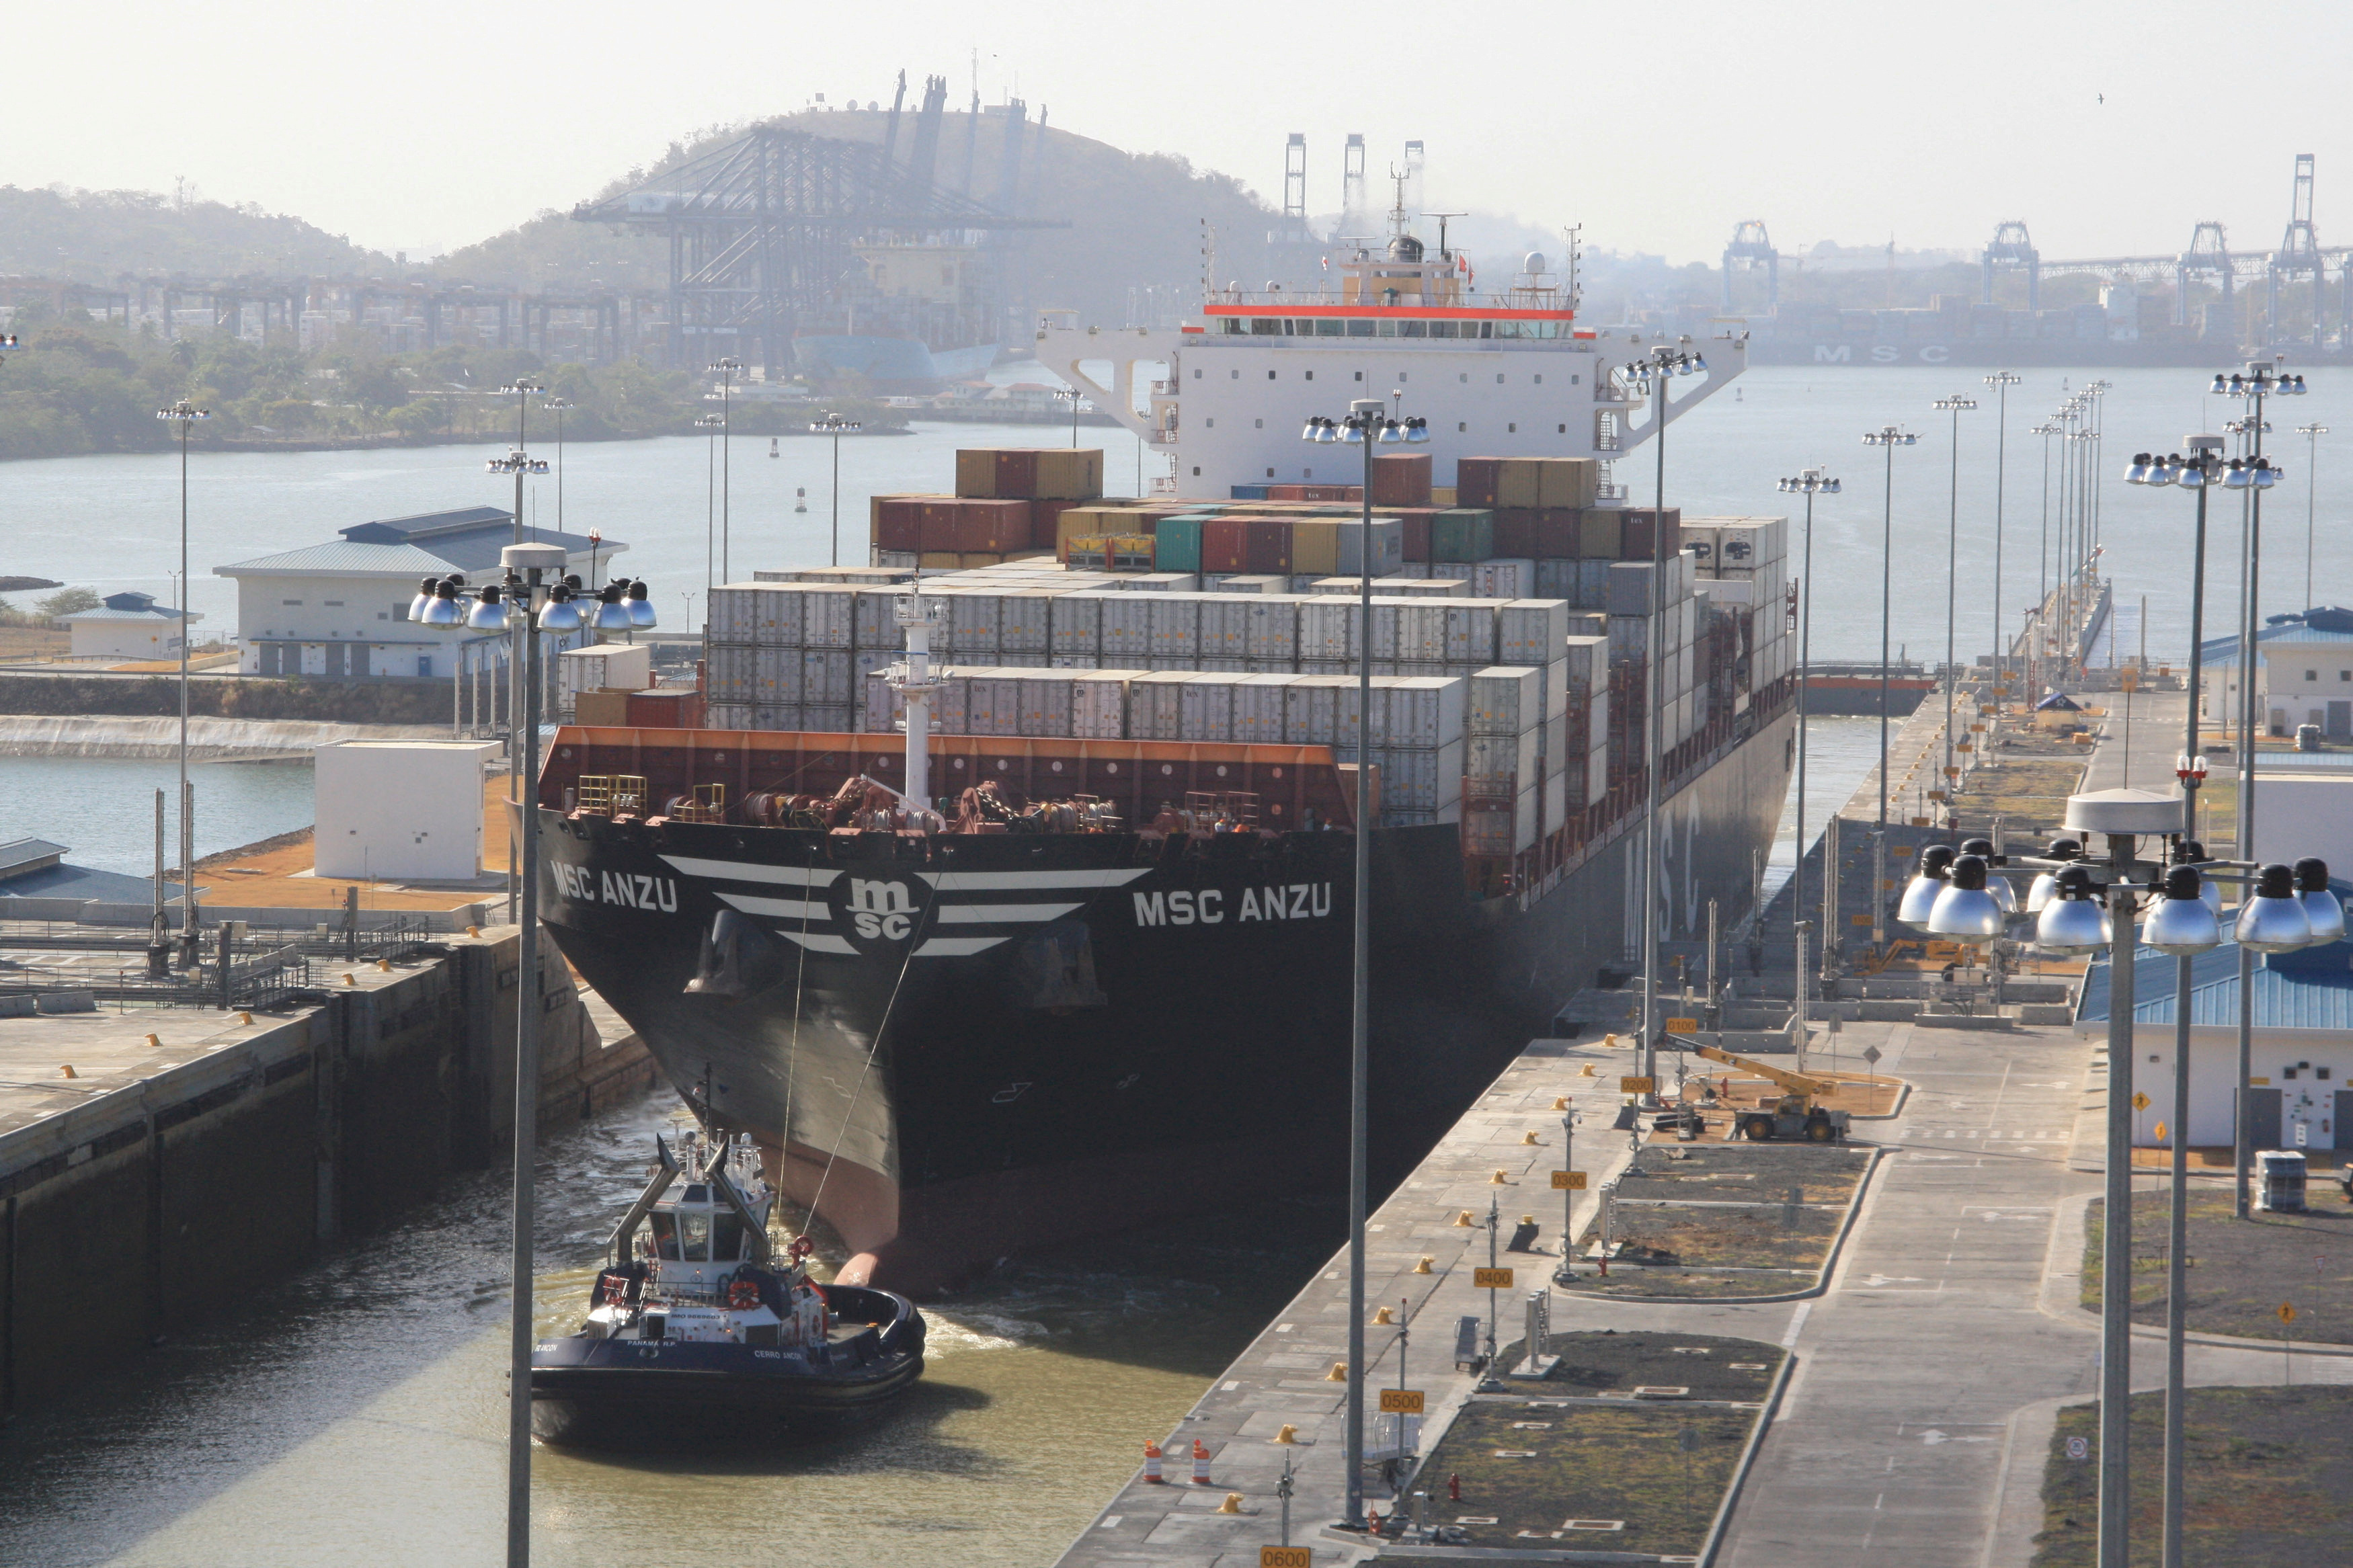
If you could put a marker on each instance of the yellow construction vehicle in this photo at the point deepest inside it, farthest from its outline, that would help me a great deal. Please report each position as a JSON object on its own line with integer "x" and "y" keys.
{"x": 1798, "y": 1114}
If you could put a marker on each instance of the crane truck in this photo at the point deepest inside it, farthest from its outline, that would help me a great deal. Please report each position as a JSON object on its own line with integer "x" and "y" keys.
{"x": 1796, "y": 1113}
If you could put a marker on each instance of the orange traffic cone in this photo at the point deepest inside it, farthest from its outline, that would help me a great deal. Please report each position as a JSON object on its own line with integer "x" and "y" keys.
{"x": 1152, "y": 1464}
{"x": 1200, "y": 1463}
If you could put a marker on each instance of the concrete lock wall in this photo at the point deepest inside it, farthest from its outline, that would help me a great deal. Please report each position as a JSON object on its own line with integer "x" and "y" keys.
{"x": 143, "y": 1210}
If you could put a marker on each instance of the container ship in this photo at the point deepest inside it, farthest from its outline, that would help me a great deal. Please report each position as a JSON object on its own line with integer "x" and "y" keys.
{"x": 1002, "y": 891}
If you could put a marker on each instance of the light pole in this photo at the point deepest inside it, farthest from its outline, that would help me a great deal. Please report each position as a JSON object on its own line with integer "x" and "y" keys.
{"x": 1072, "y": 396}
{"x": 522, "y": 390}
{"x": 1888, "y": 436}
{"x": 1809, "y": 484}
{"x": 2002, "y": 381}
{"x": 1649, "y": 377}
{"x": 2312, "y": 433}
{"x": 1367, "y": 427}
{"x": 834, "y": 425}
{"x": 533, "y": 598}
{"x": 726, "y": 369}
{"x": 1955, "y": 405}
{"x": 181, "y": 415}
{"x": 2198, "y": 472}
{"x": 708, "y": 425}
{"x": 559, "y": 407}
{"x": 2252, "y": 475}
{"x": 2042, "y": 568}
{"x": 521, "y": 465}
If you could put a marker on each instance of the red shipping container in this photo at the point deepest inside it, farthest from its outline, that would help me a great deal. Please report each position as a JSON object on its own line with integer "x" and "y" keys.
{"x": 1640, "y": 538}
{"x": 1475, "y": 479}
{"x": 1416, "y": 531}
{"x": 898, "y": 523}
{"x": 1044, "y": 522}
{"x": 1557, "y": 530}
{"x": 1289, "y": 492}
{"x": 1266, "y": 546}
{"x": 985, "y": 527}
{"x": 665, "y": 708}
{"x": 1401, "y": 478}
{"x": 938, "y": 522}
{"x": 1516, "y": 531}
{"x": 1223, "y": 546}
{"x": 1017, "y": 472}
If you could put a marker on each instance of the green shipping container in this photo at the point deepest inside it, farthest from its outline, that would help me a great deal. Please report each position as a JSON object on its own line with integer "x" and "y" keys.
{"x": 1176, "y": 544}
{"x": 1462, "y": 533}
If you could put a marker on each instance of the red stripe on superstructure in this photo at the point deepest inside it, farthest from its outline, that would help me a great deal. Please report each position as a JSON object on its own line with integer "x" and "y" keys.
{"x": 1392, "y": 312}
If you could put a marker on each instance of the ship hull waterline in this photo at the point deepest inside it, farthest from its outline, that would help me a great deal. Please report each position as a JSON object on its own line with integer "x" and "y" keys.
{"x": 1034, "y": 1040}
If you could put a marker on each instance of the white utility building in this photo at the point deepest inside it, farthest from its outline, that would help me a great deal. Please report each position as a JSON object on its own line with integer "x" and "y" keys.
{"x": 127, "y": 626}
{"x": 401, "y": 811}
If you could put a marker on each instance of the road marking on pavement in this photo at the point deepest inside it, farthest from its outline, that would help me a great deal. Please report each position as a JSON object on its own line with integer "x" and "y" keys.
{"x": 1796, "y": 1325}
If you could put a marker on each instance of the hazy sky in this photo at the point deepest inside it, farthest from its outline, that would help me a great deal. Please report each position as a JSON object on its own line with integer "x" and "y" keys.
{"x": 431, "y": 125}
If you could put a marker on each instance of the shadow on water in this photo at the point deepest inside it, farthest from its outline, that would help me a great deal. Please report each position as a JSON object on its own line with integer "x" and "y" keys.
{"x": 367, "y": 1393}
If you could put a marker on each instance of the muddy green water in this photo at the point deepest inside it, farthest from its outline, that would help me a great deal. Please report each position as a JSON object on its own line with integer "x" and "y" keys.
{"x": 356, "y": 1414}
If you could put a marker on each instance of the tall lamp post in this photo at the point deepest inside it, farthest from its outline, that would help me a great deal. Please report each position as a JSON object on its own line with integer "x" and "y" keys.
{"x": 2198, "y": 472}
{"x": 1955, "y": 405}
{"x": 2042, "y": 568}
{"x": 1809, "y": 484}
{"x": 523, "y": 466}
{"x": 834, "y": 425}
{"x": 2254, "y": 476}
{"x": 533, "y": 598}
{"x": 1367, "y": 426}
{"x": 521, "y": 389}
{"x": 1649, "y": 377}
{"x": 1076, "y": 400}
{"x": 181, "y": 416}
{"x": 708, "y": 424}
{"x": 2002, "y": 381}
{"x": 726, "y": 397}
{"x": 2312, "y": 434}
{"x": 1888, "y": 436}
{"x": 559, "y": 407}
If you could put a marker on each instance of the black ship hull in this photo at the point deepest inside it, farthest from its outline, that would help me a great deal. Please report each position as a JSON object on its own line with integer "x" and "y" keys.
{"x": 957, "y": 1047}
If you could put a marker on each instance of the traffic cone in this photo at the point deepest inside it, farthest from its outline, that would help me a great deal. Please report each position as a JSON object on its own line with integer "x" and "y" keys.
{"x": 1200, "y": 1463}
{"x": 1152, "y": 1464}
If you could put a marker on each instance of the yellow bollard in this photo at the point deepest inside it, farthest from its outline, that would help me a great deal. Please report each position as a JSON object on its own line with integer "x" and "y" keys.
{"x": 1288, "y": 1434}
{"x": 1463, "y": 1219}
{"x": 474, "y": 931}
{"x": 1609, "y": 1042}
{"x": 1234, "y": 1503}
{"x": 1527, "y": 1219}
{"x": 1589, "y": 1072}
{"x": 1500, "y": 1179}
{"x": 70, "y": 1071}
{"x": 1560, "y": 1101}
{"x": 1530, "y": 1139}
{"x": 154, "y": 1039}
{"x": 348, "y": 980}
{"x": 245, "y": 1017}
{"x": 1339, "y": 1373}
{"x": 1423, "y": 1267}
{"x": 1381, "y": 1320}
{"x": 384, "y": 966}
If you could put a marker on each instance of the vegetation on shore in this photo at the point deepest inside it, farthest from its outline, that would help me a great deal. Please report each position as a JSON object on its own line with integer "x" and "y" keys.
{"x": 81, "y": 385}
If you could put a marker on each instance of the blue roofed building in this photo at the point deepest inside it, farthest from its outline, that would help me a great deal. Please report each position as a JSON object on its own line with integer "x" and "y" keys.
{"x": 37, "y": 868}
{"x": 2304, "y": 675}
{"x": 2301, "y": 1069}
{"x": 339, "y": 611}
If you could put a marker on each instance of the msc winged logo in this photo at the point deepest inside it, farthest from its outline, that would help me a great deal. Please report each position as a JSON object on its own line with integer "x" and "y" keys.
{"x": 880, "y": 909}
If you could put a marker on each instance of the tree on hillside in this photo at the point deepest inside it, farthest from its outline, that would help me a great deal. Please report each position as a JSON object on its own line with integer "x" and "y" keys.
{"x": 68, "y": 602}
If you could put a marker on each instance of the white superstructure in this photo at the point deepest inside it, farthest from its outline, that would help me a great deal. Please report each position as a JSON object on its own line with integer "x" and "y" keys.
{"x": 1503, "y": 374}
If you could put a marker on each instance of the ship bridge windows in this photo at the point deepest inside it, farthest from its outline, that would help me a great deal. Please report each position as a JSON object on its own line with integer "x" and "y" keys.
{"x": 695, "y": 1235}
{"x": 727, "y": 1240}
{"x": 1360, "y": 329}
{"x": 1269, "y": 327}
{"x": 666, "y": 1236}
{"x": 1413, "y": 330}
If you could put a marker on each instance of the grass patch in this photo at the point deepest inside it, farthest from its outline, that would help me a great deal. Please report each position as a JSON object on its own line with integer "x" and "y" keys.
{"x": 2270, "y": 1474}
{"x": 2240, "y": 1271}
{"x": 1733, "y": 1219}
{"x": 1533, "y": 1462}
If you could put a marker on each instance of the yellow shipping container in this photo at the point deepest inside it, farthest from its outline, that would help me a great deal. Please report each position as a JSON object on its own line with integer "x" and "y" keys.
{"x": 1568, "y": 481}
{"x": 1442, "y": 496}
{"x": 1315, "y": 547}
{"x": 977, "y": 472}
{"x": 1068, "y": 473}
{"x": 1519, "y": 482}
{"x": 946, "y": 560}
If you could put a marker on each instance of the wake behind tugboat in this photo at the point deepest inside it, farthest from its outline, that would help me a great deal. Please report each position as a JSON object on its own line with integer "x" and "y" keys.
{"x": 698, "y": 1319}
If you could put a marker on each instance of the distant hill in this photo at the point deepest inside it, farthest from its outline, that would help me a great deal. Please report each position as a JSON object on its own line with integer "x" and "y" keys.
{"x": 94, "y": 237}
{"x": 1137, "y": 217}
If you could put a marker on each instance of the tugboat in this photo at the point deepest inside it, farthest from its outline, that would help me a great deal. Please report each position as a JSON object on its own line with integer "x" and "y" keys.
{"x": 696, "y": 1316}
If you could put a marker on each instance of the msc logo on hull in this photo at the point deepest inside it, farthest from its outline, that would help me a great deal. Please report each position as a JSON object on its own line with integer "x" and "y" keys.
{"x": 622, "y": 888}
{"x": 883, "y": 910}
{"x": 1294, "y": 901}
